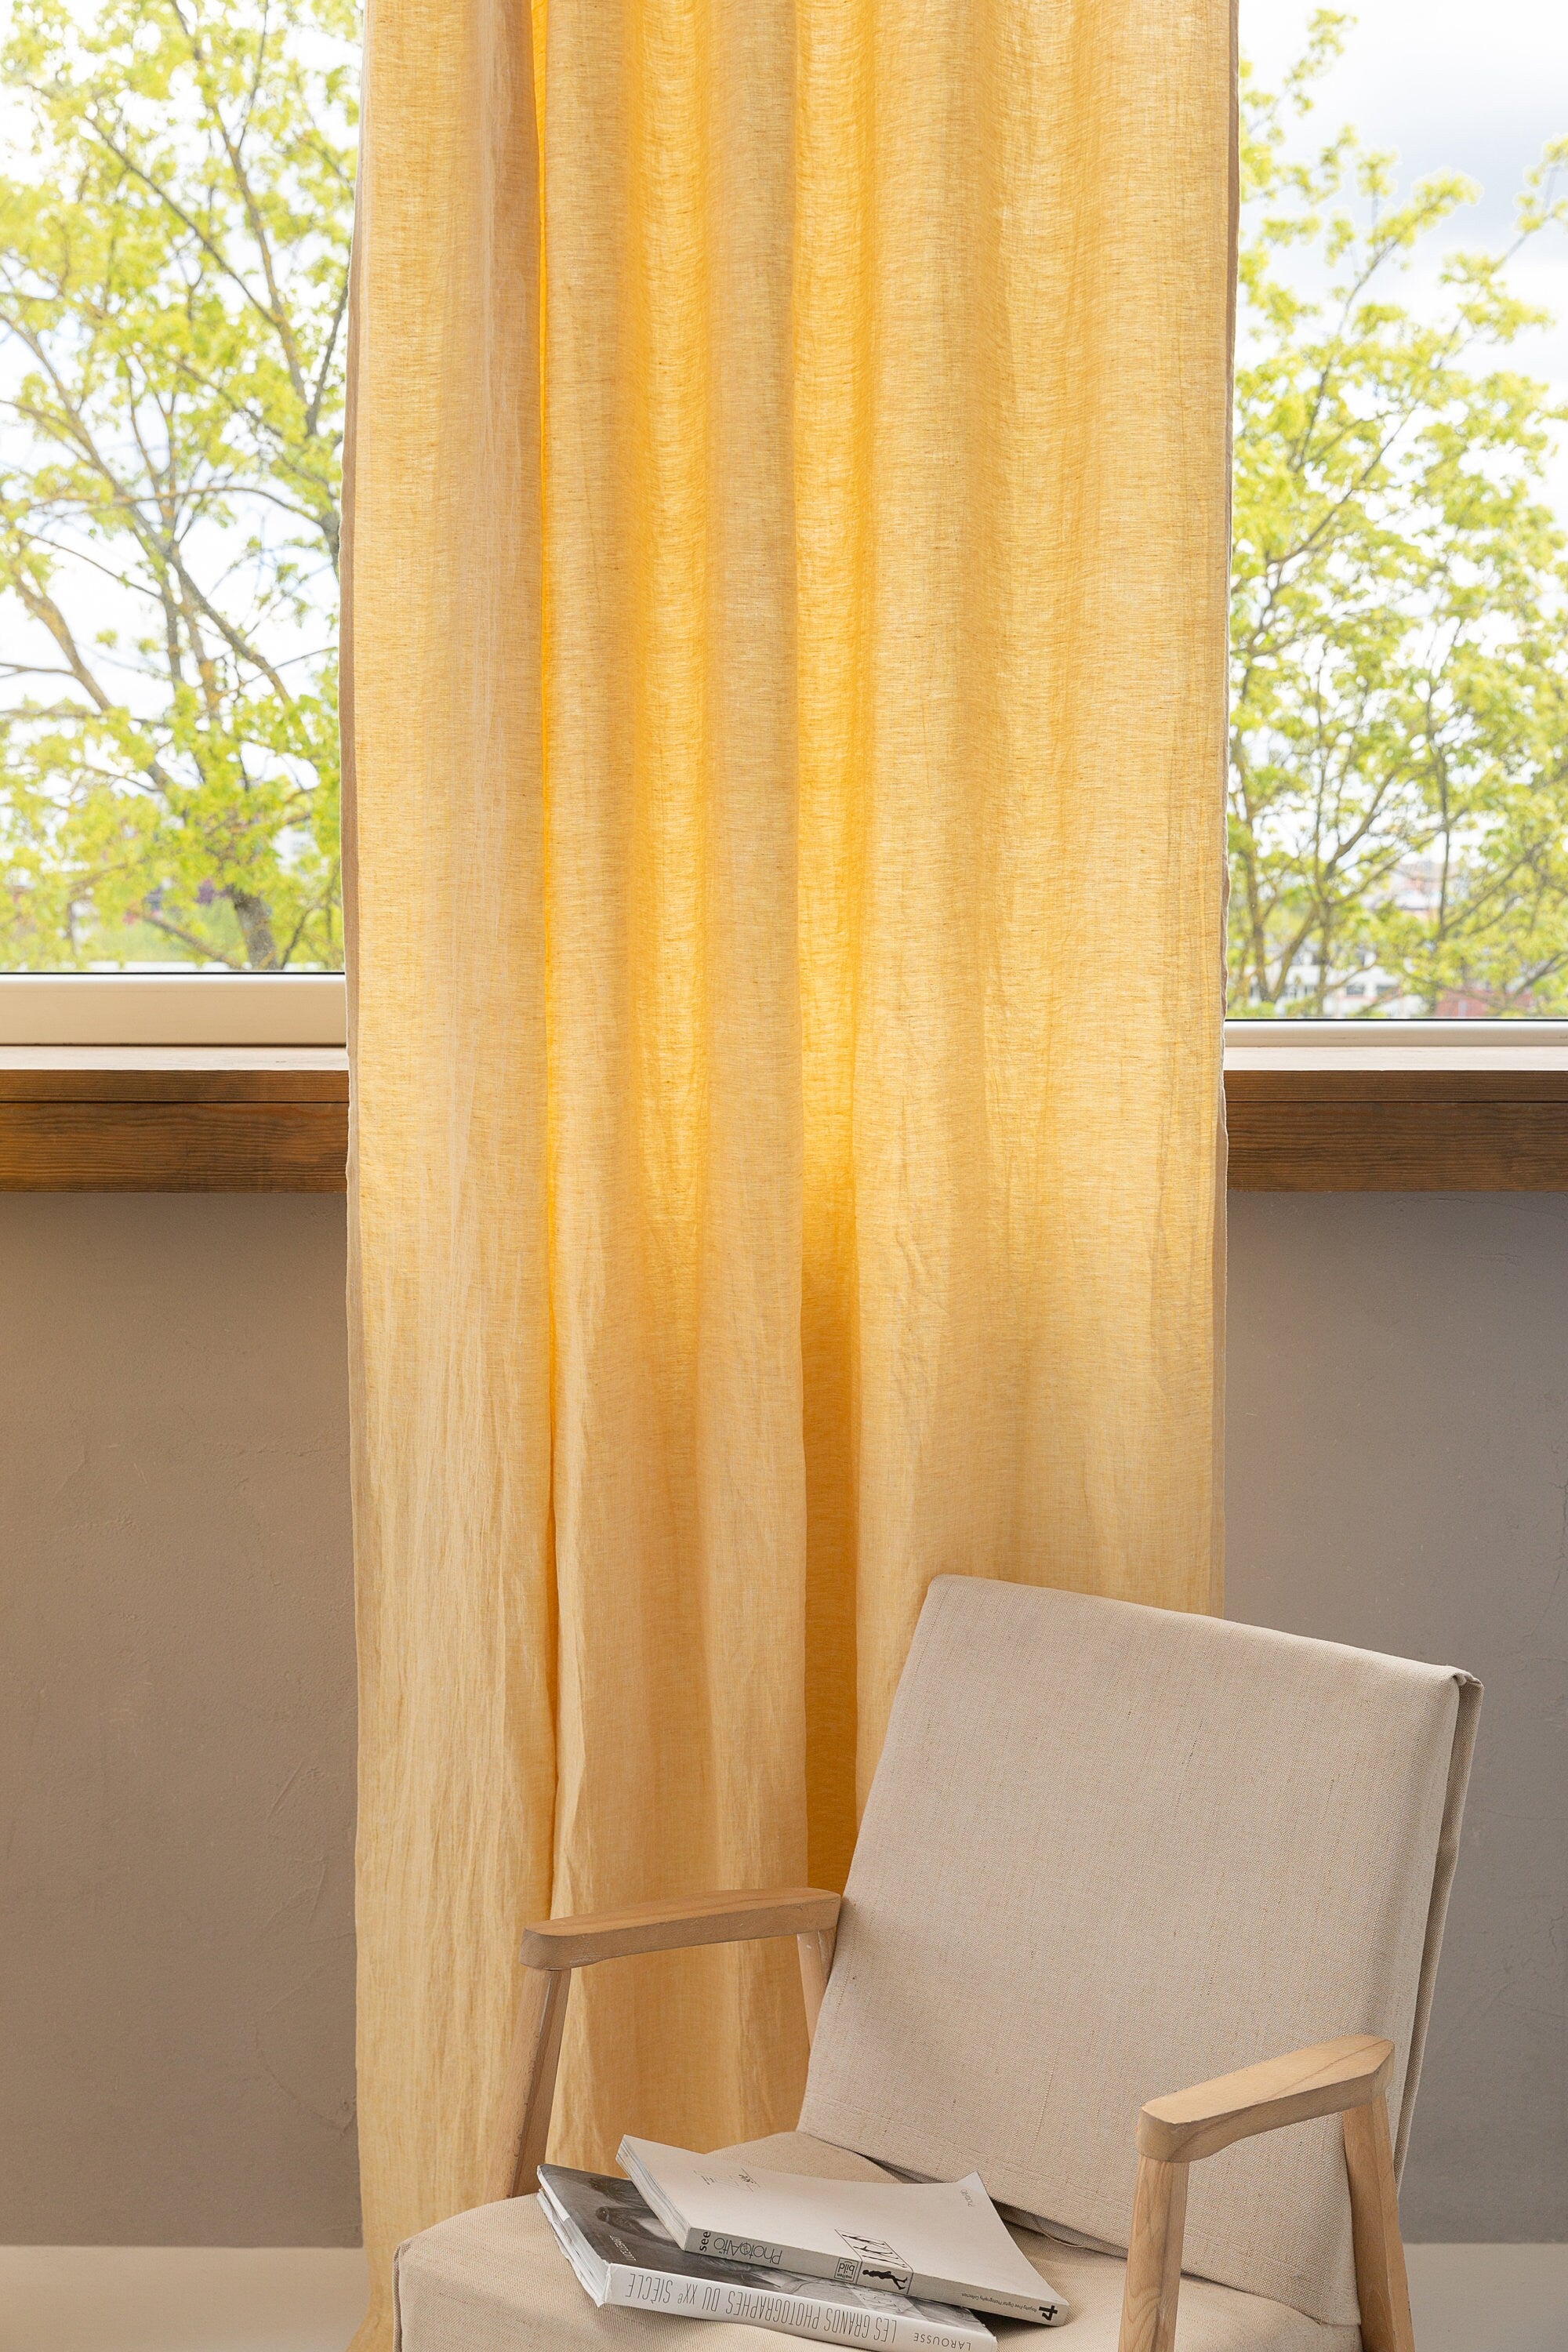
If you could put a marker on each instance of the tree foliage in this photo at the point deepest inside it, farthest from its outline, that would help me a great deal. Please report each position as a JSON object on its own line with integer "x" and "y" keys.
{"x": 1399, "y": 740}
{"x": 173, "y": 276}
{"x": 173, "y": 269}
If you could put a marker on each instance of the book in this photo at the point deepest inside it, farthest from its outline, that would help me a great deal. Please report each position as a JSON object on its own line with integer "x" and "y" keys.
{"x": 622, "y": 2254}
{"x": 942, "y": 2241}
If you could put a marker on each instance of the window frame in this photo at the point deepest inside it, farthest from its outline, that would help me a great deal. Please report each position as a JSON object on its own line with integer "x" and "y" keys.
{"x": 198, "y": 1009}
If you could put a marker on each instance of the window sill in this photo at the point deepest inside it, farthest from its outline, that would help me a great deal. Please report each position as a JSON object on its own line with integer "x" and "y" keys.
{"x": 173, "y": 1118}
{"x": 1383, "y": 1130}
{"x": 1305, "y": 1115}
{"x": 1398, "y": 1106}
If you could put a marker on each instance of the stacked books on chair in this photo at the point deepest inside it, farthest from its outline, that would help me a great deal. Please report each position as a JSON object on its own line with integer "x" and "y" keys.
{"x": 909, "y": 2266}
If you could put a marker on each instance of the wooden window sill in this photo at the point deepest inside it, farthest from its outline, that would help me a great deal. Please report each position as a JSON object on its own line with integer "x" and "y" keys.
{"x": 124, "y": 1118}
{"x": 1387, "y": 1130}
{"x": 263, "y": 1119}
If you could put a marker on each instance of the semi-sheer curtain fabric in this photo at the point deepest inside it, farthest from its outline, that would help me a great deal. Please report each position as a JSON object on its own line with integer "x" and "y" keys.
{"x": 784, "y": 714}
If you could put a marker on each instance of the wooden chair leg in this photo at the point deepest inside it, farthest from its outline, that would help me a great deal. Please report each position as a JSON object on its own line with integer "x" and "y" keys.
{"x": 1381, "y": 2285}
{"x": 1154, "y": 2257}
{"x": 815, "y": 1959}
{"x": 523, "y": 2127}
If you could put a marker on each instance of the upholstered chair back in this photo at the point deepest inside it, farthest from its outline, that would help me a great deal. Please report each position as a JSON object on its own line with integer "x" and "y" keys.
{"x": 1110, "y": 1851}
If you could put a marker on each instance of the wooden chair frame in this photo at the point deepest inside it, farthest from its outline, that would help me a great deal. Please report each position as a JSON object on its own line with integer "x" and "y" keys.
{"x": 1348, "y": 2078}
{"x": 553, "y": 1949}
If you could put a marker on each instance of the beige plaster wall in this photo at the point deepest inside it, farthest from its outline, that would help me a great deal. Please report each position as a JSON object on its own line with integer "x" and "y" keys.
{"x": 175, "y": 1728}
{"x": 1398, "y": 1479}
{"x": 176, "y": 1723}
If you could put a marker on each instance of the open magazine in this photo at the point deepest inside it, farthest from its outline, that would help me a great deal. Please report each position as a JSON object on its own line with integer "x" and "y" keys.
{"x": 622, "y": 2254}
{"x": 944, "y": 2241}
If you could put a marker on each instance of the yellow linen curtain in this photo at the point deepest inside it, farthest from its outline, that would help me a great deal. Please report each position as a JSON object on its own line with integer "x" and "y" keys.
{"x": 784, "y": 709}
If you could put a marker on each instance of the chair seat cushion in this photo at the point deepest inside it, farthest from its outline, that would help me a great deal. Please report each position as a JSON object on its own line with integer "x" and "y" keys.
{"x": 494, "y": 2280}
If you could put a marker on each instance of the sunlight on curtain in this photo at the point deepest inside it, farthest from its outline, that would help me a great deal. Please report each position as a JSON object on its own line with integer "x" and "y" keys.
{"x": 787, "y": 685}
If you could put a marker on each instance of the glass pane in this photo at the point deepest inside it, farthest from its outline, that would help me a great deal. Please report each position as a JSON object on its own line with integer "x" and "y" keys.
{"x": 1399, "y": 768}
{"x": 174, "y": 217}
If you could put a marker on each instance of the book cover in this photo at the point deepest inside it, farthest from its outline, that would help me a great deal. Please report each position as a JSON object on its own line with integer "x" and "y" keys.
{"x": 622, "y": 2254}
{"x": 944, "y": 2241}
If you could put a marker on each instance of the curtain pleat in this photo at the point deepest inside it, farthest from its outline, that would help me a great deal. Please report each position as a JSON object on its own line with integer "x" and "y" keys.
{"x": 786, "y": 616}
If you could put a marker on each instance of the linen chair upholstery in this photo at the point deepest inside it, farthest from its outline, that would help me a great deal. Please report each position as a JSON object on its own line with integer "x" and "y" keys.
{"x": 1108, "y": 1851}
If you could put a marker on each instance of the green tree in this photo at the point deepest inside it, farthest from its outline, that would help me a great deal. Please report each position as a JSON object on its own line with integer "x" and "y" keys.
{"x": 174, "y": 280}
{"x": 1399, "y": 624}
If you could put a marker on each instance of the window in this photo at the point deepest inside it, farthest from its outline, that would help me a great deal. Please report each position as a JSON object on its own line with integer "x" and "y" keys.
{"x": 175, "y": 218}
{"x": 1399, "y": 771}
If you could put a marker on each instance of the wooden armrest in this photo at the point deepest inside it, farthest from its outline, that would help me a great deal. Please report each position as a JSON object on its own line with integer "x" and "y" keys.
{"x": 676, "y": 1925}
{"x": 1324, "y": 2080}
{"x": 553, "y": 1947}
{"x": 1346, "y": 2078}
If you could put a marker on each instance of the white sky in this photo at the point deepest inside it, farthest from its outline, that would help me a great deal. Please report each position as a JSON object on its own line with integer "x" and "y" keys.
{"x": 1472, "y": 86}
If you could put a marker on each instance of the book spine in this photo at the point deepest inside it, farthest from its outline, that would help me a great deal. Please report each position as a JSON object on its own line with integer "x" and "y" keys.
{"x": 890, "y": 2277}
{"x": 825, "y": 2323}
{"x": 762, "y": 2253}
{"x": 1044, "y": 2314}
{"x": 766, "y": 2254}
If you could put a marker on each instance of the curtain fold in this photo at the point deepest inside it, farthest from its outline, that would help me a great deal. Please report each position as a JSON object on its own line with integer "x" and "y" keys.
{"x": 785, "y": 720}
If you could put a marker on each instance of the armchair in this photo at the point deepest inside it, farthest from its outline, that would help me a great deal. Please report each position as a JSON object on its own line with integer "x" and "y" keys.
{"x": 1103, "y": 1842}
